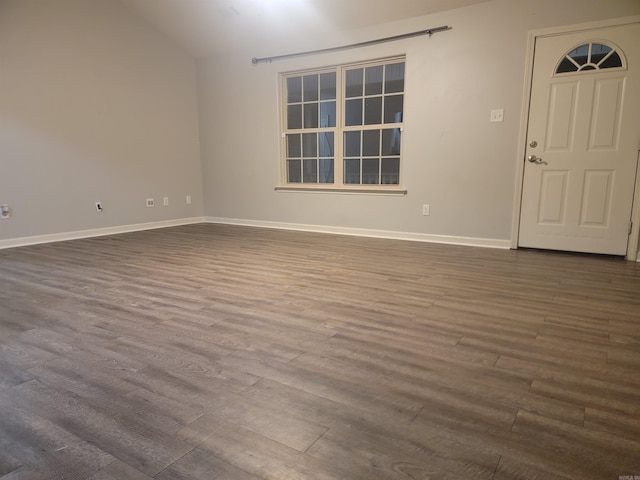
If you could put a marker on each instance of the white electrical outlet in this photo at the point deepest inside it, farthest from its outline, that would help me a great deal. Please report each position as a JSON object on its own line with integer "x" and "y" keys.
{"x": 150, "y": 202}
{"x": 5, "y": 211}
{"x": 426, "y": 210}
{"x": 188, "y": 199}
{"x": 165, "y": 201}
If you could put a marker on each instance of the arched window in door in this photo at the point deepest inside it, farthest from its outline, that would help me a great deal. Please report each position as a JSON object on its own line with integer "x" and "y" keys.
{"x": 590, "y": 56}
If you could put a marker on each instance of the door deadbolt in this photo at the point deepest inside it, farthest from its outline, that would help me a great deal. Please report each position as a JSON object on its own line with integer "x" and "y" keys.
{"x": 533, "y": 144}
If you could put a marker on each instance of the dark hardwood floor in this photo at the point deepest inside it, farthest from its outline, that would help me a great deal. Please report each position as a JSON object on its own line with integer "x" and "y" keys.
{"x": 222, "y": 352}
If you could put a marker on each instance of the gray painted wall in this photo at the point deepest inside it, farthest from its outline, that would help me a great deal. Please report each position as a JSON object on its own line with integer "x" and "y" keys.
{"x": 94, "y": 106}
{"x": 455, "y": 160}
{"x": 97, "y": 106}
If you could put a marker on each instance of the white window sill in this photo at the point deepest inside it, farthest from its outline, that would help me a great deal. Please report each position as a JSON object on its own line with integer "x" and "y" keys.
{"x": 373, "y": 190}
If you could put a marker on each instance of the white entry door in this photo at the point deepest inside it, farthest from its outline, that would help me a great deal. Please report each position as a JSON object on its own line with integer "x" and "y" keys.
{"x": 582, "y": 141}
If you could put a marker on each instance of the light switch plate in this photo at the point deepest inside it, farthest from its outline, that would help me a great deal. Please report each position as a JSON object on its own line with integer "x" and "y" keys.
{"x": 497, "y": 115}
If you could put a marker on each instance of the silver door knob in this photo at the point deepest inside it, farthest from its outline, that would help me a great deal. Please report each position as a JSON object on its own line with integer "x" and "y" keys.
{"x": 536, "y": 160}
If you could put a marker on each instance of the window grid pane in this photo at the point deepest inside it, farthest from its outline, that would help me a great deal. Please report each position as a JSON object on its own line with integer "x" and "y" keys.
{"x": 390, "y": 171}
{"x": 310, "y": 170}
{"x": 310, "y": 157}
{"x": 370, "y": 106}
{"x": 328, "y": 86}
{"x": 294, "y": 89}
{"x": 310, "y": 88}
{"x": 353, "y": 83}
{"x": 376, "y": 154}
{"x": 371, "y": 103}
{"x": 311, "y": 101}
{"x": 352, "y": 171}
{"x": 371, "y": 171}
{"x": 373, "y": 80}
{"x": 373, "y": 110}
{"x": 294, "y": 173}
{"x": 325, "y": 170}
{"x": 310, "y": 115}
{"x": 372, "y": 156}
{"x": 294, "y": 146}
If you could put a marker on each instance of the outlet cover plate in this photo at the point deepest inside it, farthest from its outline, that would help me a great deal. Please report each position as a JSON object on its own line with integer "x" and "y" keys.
{"x": 5, "y": 211}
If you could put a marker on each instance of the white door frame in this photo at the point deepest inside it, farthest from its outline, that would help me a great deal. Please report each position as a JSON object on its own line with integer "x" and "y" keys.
{"x": 632, "y": 247}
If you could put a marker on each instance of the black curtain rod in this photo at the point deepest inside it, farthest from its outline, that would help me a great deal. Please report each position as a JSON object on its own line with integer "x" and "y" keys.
{"x": 429, "y": 32}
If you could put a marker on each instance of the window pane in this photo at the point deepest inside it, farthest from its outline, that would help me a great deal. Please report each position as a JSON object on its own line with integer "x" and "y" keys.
{"x": 612, "y": 62}
{"x": 393, "y": 108}
{"x": 353, "y": 113}
{"x": 294, "y": 89}
{"x": 326, "y": 144}
{"x": 352, "y": 144}
{"x": 352, "y": 171}
{"x": 391, "y": 141}
{"x": 580, "y": 54}
{"x": 294, "y": 148}
{"x": 328, "y": 86}
{"x": 370, "y": 172}
{"x": 598, "y": 52}
{"x": 293, "y": 171}
{"x": 566, "y": 65}
{"x": 310, "y": 85}
{"x": 373, "y": 80}
{"x": 309, "y": 144}
{"x": 394, "y": 78}
{"x": 326, "y": 171}
{"x": 371, "y": 143}
{"x": 327, "y": 114}
{"x": 310, "y": 171}
{"x": 353, "y": 87}
{"x": 373, "y": 111}
{"x": 294, "y": 116}
{"x": 599, "y": 48}
{"x": 310, "y": 115}
{"x": 390, "y": 171}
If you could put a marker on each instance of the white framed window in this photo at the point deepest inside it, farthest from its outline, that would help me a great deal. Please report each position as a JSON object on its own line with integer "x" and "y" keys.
{"x": 342, "y": 127}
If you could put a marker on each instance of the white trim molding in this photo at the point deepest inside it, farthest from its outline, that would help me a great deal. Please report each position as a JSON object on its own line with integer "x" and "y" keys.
{"x": 357, "y": 232}
{"x": 95, "y": 232}
{"x": 365, "y": 232}
{"x": 399, "y": 192}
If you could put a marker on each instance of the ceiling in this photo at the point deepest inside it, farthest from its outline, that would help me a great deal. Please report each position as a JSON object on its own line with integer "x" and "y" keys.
{"x": 207, "y": 27}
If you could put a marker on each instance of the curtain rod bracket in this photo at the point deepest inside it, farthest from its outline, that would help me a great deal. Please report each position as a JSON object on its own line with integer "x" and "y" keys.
{"x": 429, "y": 31}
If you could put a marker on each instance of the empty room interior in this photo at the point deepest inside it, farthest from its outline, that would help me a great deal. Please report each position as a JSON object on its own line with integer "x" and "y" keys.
{"x": 319, "y": 239}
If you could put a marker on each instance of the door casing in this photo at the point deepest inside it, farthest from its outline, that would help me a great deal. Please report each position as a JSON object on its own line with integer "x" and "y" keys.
{"x": 632, "y": 248}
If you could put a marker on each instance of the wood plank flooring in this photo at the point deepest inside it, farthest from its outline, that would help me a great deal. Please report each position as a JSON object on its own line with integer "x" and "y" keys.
{"x": 224, "y": 352}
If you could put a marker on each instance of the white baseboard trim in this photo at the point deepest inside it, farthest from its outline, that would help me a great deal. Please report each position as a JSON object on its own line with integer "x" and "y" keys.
{"x": 357, "y": 232}
{"x": 364, "y": 232}
{"x": 96, "y": 232}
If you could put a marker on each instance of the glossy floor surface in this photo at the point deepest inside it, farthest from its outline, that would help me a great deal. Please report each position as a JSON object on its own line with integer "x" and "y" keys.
{"x": 223, "y": 352}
